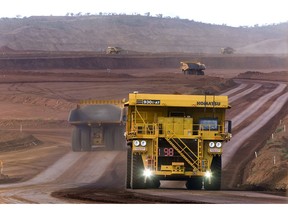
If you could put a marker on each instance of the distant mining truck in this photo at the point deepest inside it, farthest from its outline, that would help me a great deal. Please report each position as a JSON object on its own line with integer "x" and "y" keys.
{"x": 192, "y": 68}
{"x": 227, "y": 50}
{"x": 98, "y": 125}
{"x": 113, "y": 50}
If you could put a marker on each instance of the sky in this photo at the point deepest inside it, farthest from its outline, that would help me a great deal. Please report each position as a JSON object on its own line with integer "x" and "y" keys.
{"x": 228, "y": 12}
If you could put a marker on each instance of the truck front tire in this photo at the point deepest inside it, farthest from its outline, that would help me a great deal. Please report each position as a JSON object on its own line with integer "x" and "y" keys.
{"x": 137, "y": 177}
{"x": 216, "y": 168}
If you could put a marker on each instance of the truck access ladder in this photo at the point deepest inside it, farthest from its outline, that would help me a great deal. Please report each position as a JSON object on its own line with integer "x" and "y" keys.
{"x": 183, "y": 150}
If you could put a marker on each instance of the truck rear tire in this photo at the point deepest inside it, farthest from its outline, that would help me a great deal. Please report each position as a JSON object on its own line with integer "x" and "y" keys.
{"x": 216, "y": 174}
{"x": 137, "y": 177}
{"x": 86, "y": 138}
{"x": 153, "y": 183}
{"x": 195, "y": 183}
{"x": 76, "y": 139}
{"x": 109, "y": 135}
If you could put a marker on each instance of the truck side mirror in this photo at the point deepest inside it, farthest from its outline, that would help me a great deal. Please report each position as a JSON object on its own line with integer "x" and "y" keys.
{"x": 228, "y": 126}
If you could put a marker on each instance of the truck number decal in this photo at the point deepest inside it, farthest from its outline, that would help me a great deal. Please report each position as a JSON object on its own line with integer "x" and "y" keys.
{"x": 148, "y": 101}
{"x": 166, "y": 152}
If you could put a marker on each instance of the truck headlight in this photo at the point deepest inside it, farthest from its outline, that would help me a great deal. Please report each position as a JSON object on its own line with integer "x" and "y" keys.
{"x": 218, "y": 144}
{"x": 143, "y": 143}
{"x": 147, "y": 172}
{"x": 211, "y": 144}
{"x": 136, "y": 142}
{"x": 208, "y": 174}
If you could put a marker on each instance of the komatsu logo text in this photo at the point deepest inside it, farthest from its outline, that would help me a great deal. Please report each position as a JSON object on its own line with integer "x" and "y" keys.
{"x": 203, "y": 103}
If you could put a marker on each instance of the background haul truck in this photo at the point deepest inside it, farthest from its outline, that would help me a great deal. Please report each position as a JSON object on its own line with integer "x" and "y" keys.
{"x": 98, "y": 125}
{"x": 192, "y": 68}
{"x": 175, "y": 137}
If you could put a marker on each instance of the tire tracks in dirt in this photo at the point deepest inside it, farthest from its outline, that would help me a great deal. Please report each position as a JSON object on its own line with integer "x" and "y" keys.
{"x": 237, "y": 120}
{"x": 238, "y": 139}
{"x": 74, "y": 169}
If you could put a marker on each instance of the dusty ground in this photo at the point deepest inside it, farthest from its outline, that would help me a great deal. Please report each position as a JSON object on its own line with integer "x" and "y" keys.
{"x": 35, "y": 106}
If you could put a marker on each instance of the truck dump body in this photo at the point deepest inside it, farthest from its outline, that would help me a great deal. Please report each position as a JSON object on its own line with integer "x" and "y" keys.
{"x": 175, "y": 137}
{"x": 97, "y": 126}
{"x": 113, "y": 50}
{"x": 192, "y": 68}
{"x": 96, "y": 113}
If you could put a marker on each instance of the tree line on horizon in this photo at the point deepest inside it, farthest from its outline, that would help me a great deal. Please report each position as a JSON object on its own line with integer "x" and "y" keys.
{"x": 147, "y": 14}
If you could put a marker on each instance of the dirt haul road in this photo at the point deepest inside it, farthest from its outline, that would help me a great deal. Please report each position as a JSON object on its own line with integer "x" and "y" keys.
{"x": 104, "y": 172}
{"x": 72, "y": 170}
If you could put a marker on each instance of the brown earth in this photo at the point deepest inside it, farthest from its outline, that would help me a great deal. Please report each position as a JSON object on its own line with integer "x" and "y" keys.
{"x": 136, "y": 33}
{"x": 259, "y": 171}
{"x": 35, "y": 104}
{"x": 269, "y": 168}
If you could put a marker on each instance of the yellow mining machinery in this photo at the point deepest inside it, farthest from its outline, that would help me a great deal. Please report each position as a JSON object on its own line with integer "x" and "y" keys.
{"x": 175, "y": 137}
{"x": 98, "y": 125}
{"x": 227, "y": 50}
{"x": 192, "y": 68}
{"x": 114, "y": 50}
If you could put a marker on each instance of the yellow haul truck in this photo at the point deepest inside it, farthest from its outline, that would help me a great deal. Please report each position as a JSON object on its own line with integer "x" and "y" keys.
{"x": 192, "y": 68}
{"x": 175, "y": 137}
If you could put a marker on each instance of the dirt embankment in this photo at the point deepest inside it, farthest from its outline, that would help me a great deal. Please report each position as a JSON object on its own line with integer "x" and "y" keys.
{"x": 153, "y": 61}
{"x": 12, "y": 141}
{"x": 269, "y": 168}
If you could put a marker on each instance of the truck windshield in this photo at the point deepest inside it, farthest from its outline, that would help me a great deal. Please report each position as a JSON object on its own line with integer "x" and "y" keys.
{"x": 209, "y": 124}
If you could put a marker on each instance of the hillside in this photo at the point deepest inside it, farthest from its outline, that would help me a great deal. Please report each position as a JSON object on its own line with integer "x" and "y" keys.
{"x": 138, "y": 33}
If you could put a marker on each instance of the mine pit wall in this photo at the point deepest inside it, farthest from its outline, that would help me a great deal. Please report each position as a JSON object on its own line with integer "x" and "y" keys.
{"x": 133, "y": 62}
